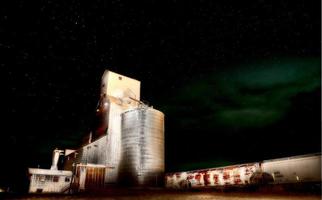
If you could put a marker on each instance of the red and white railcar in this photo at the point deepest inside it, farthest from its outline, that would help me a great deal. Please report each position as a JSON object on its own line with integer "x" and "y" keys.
{"x": 290, "y": 170}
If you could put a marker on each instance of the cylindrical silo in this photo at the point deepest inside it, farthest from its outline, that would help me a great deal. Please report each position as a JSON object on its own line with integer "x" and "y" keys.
{"x": 142, "y": 160}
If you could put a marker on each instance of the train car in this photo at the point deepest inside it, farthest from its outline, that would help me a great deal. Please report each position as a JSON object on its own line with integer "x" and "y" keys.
{"x": 291, "y": 170}
{"x": 296, "y": 169}
{"x": 235, "y": 175}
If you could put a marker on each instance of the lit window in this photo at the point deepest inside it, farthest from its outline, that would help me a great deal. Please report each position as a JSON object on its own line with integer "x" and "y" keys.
{"x": 42, "y": 178}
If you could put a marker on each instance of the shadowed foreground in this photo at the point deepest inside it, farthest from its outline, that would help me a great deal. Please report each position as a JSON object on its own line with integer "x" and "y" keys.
{"x": 174, "y": 195}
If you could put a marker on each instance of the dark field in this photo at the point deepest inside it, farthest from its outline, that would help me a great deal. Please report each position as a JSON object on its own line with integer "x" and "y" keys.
{"x": 174, "y": 195}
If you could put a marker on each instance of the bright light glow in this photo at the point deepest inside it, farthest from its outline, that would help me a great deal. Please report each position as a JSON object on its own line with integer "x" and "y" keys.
{"x": 105, "y": 104}
{"x": 97, "y": 110}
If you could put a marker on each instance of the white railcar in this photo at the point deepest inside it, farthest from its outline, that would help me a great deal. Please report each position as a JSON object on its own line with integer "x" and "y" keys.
{"x": 297, "y": 169}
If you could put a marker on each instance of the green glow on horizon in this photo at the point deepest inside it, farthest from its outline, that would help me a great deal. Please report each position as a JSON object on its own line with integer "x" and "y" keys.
{"x": 248, "y": 96}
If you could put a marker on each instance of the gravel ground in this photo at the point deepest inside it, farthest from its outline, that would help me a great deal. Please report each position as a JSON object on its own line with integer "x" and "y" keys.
{"x": 172, "y": 195}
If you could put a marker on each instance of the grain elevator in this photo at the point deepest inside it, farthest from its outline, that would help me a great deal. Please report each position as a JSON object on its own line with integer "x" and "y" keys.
{"x": 127, "y": 145}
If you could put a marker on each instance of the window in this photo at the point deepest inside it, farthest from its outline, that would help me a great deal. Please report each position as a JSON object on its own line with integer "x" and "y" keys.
{"x": 48, "y": 178}
{"x": 120, "y": 78}
{"x": 42, "y": 178}
{"x": 55, "y": 178}
{"x": 67, "y": 179}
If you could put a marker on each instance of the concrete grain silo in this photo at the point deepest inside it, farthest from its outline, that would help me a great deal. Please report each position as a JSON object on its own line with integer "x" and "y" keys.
{"x": 142, "y": 157}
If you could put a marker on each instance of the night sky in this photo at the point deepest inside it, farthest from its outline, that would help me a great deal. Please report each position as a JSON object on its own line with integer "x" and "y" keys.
{"x": 237, "y": 83}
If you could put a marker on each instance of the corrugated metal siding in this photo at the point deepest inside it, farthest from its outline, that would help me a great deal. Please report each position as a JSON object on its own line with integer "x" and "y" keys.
{"x": 94, "y": 177}
{"x": 142, "y": 147}
{"x": 95, "y": 152}
{"x": 113, "y": 147}
{"x": 107, "y": 149}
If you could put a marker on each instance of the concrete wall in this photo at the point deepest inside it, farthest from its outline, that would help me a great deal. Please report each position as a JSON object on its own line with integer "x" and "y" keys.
{"x": 119, "y": 86}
